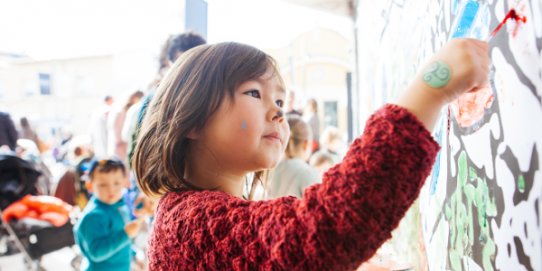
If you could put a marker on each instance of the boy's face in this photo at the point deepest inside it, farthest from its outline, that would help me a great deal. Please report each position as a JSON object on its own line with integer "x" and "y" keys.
{"x": 107, "y": 186}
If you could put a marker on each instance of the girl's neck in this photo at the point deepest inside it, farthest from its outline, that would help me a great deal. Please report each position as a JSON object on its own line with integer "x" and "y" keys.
{"x": 202, "y": 170}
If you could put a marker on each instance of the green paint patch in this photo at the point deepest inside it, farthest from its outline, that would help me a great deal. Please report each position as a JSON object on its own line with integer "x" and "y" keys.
{"x": 521, "y": 183}
{"x": 470, "y": 200}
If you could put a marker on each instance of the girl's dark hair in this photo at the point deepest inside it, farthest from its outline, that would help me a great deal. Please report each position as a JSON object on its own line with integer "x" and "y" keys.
{"x": 191, "y": 92}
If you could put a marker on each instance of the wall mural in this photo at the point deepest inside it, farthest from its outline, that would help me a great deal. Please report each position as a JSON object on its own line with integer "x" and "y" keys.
{"x": 480, "y": 208}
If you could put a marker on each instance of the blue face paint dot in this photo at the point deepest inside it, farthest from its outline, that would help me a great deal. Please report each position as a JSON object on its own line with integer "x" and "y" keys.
{"x": 244, "y": 125}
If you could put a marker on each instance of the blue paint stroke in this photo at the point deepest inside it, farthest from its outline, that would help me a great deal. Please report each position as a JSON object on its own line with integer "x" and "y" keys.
{"x": 436, "y": 168}
{"x": 466, "y": 19}
{"x": 244, "y": 125}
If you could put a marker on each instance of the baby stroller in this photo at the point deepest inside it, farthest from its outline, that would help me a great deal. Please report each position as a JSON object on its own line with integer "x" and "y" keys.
{"x": 19, "y": 178}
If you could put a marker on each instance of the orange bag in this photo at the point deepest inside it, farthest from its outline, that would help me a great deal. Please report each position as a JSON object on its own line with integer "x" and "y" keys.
{"x": 43, "y": 204}
{"x": 15, "y": 210}
{"x": 46, "y": 208}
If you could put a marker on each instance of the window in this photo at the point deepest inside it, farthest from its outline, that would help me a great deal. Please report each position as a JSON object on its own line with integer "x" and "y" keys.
{"x": 45, "y": 83}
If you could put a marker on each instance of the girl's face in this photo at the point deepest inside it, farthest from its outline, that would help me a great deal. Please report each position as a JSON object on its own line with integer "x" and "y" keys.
{"x": 248, "y": 133}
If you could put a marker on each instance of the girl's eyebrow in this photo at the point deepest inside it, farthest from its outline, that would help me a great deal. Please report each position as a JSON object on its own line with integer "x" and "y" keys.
{"x": 264, "y": 82}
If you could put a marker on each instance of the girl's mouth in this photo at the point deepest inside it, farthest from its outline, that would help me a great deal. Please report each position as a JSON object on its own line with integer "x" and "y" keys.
{"x": 273, "y": 136}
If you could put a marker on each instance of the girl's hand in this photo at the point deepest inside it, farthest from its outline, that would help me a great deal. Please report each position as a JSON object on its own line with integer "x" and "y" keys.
{"x": 461, "y": 65}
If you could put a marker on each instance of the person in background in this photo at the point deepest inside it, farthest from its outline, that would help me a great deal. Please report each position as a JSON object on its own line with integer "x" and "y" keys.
{"x": 118, "y": 146}
{"x": 28, "y": 133}
{"x": 291, "y": 104}
{"x": 310, "y": 115}
{"x": 292, "y": 175}
{"x": 322, "y": 161}
{"x": 331, "y": 142}
{"x": 8, "y": 133}
{"x": 104, "y": 231}
{"x": 98, "y": 127}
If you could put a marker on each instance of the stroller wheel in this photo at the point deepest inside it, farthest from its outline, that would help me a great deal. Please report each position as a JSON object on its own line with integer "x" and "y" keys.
{"x": 33, "y": 265}
{"x": 76, "y": 262}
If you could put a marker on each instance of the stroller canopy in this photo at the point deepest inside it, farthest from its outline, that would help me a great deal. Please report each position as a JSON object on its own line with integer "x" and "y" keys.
{"x": 18, "y": 178}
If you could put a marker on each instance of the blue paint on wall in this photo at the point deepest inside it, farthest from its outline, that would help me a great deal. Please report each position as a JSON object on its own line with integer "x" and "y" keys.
{"x": 436, "y": 168}
{"x": 466, "y": 20}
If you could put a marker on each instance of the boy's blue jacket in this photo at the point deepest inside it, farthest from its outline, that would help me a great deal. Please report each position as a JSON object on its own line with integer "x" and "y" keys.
{"x": 100, "y": 235}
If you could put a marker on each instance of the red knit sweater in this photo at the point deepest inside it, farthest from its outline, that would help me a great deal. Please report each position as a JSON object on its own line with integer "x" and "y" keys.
{"x": 337, "y": 224}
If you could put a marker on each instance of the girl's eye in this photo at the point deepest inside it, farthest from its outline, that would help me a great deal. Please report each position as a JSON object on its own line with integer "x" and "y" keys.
{"x": 280, "y": 103}
{"x": 254, "y": 93}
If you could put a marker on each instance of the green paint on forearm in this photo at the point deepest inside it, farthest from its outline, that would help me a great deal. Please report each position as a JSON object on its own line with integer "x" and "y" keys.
{"x": 437, "y": 75}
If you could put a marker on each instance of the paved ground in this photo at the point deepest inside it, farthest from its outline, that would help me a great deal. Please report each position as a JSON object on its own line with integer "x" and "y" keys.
{"x": 58, "y": 260}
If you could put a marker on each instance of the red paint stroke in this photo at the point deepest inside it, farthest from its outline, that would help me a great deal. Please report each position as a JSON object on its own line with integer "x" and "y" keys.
{"x": 512, "y": 14}
{"x": 470, "y": 107}
{"x": 448, "y": 129}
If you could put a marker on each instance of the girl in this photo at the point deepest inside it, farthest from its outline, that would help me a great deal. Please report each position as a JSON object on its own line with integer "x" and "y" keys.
{"x": 292, "y": 175}
{"x": 217, "y": 116}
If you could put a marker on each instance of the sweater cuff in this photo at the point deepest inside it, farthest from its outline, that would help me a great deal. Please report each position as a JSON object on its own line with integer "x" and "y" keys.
{"x": 399, "y": 114}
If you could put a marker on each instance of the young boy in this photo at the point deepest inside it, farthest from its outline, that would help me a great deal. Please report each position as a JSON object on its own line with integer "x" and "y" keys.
{"x": 104, "y": 231}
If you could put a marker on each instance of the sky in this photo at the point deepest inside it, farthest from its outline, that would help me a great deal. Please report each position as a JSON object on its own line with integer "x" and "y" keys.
{"x": 68, "y": 28}
{"x": 268, "y": 23}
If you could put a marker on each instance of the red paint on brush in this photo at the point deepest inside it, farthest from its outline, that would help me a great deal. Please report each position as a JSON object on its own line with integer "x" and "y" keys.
{"x": 448, "y": 129}
{"x": 512, "y": 14}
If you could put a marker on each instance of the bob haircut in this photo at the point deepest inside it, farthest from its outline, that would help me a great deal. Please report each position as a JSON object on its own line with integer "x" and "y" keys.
{"x": 189, "y": 95}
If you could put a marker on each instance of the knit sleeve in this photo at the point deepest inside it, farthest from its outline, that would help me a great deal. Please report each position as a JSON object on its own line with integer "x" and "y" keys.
{"x": 343, "y": 221}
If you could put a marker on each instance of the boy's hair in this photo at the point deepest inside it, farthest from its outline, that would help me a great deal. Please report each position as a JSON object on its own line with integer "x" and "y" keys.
{"x": 300, "y": 131}
{"x": 182, "y": 43}
{"x": 190, "y": 94}
{"x": 106, "y": 166}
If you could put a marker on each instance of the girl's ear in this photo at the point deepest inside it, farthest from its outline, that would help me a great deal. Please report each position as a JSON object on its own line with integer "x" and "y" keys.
{"x": 193, "y": 134}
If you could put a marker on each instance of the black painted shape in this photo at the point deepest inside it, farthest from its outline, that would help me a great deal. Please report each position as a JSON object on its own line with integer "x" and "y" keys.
{"x": 537, "y": 213}
{"x": 512, "y": 162}
{"x": 522, "y": 257}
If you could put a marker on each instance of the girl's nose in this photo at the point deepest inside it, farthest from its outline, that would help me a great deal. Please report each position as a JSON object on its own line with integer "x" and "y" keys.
{"x": 279, "y": 116}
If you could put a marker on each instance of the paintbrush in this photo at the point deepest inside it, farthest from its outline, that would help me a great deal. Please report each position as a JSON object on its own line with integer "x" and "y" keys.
{"x": 512, "y": 14}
